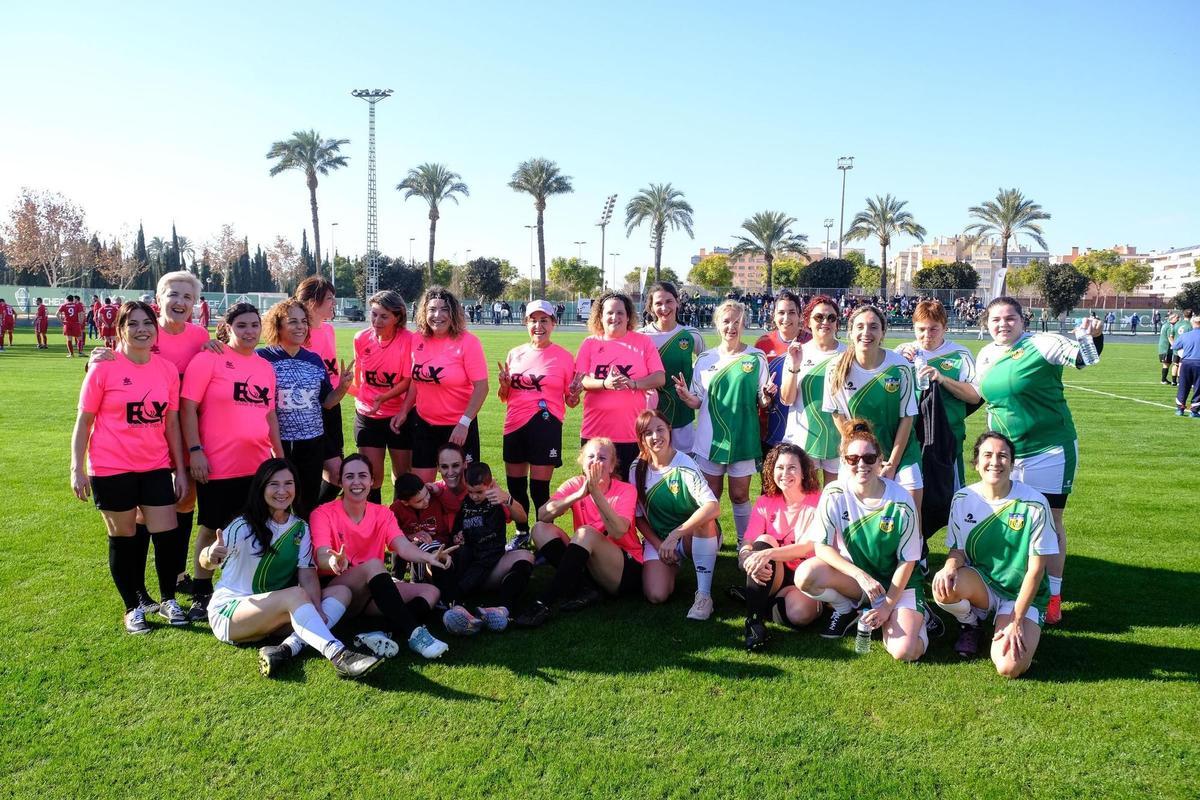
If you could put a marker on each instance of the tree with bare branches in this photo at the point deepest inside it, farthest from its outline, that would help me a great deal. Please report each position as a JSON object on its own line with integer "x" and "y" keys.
{"x": 47, "y": 236}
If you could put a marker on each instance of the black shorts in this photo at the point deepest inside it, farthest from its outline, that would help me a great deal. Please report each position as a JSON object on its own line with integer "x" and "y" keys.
{"x": 1175, "y": 359}
{"x": 1165, "y": 358}
{"x": 428, "y": 439}
{"x": 537, "y": 442}
{"x": 627, "y": 453}
{"x": 335, "y": 440}
{"x": 129, "y": 490}
{"x": 631, "y": 576}
{"x": 1057, "y": 500}
{"x": 377, "y": 432}
{"x": 218, "y": 502}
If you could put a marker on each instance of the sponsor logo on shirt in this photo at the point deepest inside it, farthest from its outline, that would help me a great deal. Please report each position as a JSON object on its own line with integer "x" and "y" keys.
{"x": 526, "y": 381}
{"x": 1016, "y": 520}
{"x": 970, "y": 517}
{"x": 251, "y": 394}
{"x": 554, "y": 452}
{"x": 947, "y": 364}
{"x": 380, "y": 379}
{"x": 296, "y": 399}
{"x": 331, "y": 365}
{"x": 143, "y": 413}
{"x": 602, "y": 371}
{"x": 424, "y": 374}
{"x": 126, "y": 382}
{"x": 891, "y": 385}
{"x": 850, "y": 385}
{"x": 845, "y": 516}
{"x": 229, "y": 365}
{"x": 685, "y": 344}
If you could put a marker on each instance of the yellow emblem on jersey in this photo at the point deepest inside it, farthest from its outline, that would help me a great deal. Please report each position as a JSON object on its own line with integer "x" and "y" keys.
{"x": 886, "y": 525}
{"x": 891, "y": 385}
{"x": 1015, "y": 354}
{"x": 748, "y": 365}
{"x": 673, "y": 484}
{"x": 1016, "y": 520}
{"x": 685, "y": 343}
{"x": 947, "y": 364}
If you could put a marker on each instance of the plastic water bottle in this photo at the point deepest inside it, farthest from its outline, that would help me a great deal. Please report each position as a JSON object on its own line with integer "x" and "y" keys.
{"x": 862, "y": 639}
{"x": 1087, "y": 346}
{"x": 919, "y": 363}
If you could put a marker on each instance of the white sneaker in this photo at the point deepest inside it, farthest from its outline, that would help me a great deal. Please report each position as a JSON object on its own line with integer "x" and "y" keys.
{"x": 378, "y": 643}
{"x": 423, "y": 643}
{"x": 702, "y": 608}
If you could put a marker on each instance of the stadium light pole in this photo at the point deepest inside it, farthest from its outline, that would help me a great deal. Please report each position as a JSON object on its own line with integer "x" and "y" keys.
{"x": 605, "y": 218}
{"x": 845, "y": 164}
{"x": 615, "y": 257}
{"x": 372, "y": 96}
{"x": 531, "y": 228}
{"x": 581, "y": 244}
{"x": 333, "y": 250}
{"x": 828, "y": 225}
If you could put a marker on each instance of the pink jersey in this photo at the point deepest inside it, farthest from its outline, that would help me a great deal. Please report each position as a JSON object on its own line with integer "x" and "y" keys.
{"x": 364, "y": 540}
{"x": 323, "y": 341}
{"x": 621, "y": 496}
{"x": 770, "y": 517}
{"x": 444, "y": 370}
{"x": 130, "y": 402}
{"x": 235, "y": 394}
{"x": 537, "y": 377}
{"x": 612, "y": 412}
{"x": 180, "y": 348}
{"x": 378, "y": 365}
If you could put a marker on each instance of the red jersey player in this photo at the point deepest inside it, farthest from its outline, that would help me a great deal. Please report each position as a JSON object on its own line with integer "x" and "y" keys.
{"x": 41, "y": 322}
{"x": 203, "y": 322}
{"x": 106, "y": 320}
{"x": 8, "y": 321}
{"x": 71, "y": 315}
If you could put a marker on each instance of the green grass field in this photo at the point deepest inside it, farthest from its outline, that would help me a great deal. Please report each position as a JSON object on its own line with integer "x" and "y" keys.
{"x": 625, "y": 699}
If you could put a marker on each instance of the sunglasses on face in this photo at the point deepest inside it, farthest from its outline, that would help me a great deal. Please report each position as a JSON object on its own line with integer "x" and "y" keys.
{"x": 824, "y": 318}
{"x": 866, "y": 458}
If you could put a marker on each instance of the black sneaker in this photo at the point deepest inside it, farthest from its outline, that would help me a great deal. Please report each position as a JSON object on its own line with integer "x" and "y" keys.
{"x": 934, "y": 625}
{"x": 272, "y": 659}
{"x": 736, "y": 593}
{"x": 840, "y": 624}
{"x": 350, "y": 664}
{"x": 184, "y": 585}
{"x": 970, "y": 641}
{"x": 587, "y": 596}
{"x": 756, "y": 635}
{"x": 135, "y": 622}
{"x": 199, "y": 610}
{"x": 146, "y": 603}
{"x": 533, "y": 617}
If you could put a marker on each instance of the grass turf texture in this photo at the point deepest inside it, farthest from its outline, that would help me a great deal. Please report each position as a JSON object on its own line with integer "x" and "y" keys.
{"x": 624, "y": 699}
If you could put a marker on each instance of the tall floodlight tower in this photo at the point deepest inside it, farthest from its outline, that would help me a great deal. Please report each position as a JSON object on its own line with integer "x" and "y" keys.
{"x": 605, "y": 218}
{"x": 372, "y": 96}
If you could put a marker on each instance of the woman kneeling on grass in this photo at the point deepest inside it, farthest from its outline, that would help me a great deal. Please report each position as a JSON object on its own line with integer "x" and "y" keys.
{"x": 676, "y": 515}
{"x": 605, "y": 547}
{"x": 351, "y": 536}
{"x": 1001, "y": 533}
{"x": 867, "y": 550}
{"x": 776, "y": 544}
{"x": 268, "y": 580}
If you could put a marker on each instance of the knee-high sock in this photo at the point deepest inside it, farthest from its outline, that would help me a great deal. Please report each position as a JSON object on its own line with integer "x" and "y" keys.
{"x": 1055, "y": 584}
{"x": 375, "y": 495}
{"x": 419, "y": 608}
{"x": 741, "y": 520}
{"x": 333, "y": 610}
{"x": 961, "y": 610}
{"x": 553, "y": 551}
{"x": 184, "y": 521}
{"x": 329, "y": 492}
{"x": 1165, "y": 370}
{"x": 569, "y": 574}
{"x": 539, "y": 495}
{"x": 141, "y": 535}
{"x": 518, "y": 487}
{"x": 839, "y": 601}
{"x": 122, "y": 563}
{"x": 758, "y": 596}
{"x": 387, "y": 598}
{"x": 779, "y": 612}
{"x": 166, "y": 561}
{"x": 513, "y": 584}
{"x": 309, "y": 626}
{"x": 704, "y": 557}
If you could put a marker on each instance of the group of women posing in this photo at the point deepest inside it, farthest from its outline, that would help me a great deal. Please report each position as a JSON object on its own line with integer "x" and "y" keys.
{"x": 244, "y": 429}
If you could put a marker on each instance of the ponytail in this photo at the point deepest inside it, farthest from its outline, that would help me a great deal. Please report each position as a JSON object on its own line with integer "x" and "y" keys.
{"x": 860, "y": 430}
{"x": 841, "y": 367}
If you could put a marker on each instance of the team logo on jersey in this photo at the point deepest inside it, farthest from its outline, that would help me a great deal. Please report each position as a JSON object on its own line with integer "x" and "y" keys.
{"x": 604, "y": 370}
{"x": 887, "y": 524}
{"x": 747, "y": 365}
{"x": 126, "y": 382}
{"x": 947, "y": 364}
{"x": 145, "y": 413}
{"x": 250, "y": 394}
{"x": 685, "y": 344}
{"x": 891, "y": 385}
{"x": 424, "y": 374}
{"x": 1015, "y": 354}
{"x": 673, "y": 484}
{"x": 380, "y": 379}
{"x": 1016, "y": 520}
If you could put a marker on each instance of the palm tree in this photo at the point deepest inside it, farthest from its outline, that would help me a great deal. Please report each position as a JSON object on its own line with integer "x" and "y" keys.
{"x": 770, "y": 235}
{"x": 186, "y": 248}
{"x": 1010, "y": 214}
{"x": 663, "y": 205}
{"x": 884, "y": 218}
{"x": 433, "y": 183}
{"x": 540, "y": 178}
{"x": 307, "y": 151}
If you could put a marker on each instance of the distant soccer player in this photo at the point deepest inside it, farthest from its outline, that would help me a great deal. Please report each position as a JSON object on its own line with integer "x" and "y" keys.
{"x": 80, "y": 314}
{"x": 1166, "y": 355}
{"x": 107, "y": 320}
{"x": 203, "y": 314}
{"x": 41, "y": 323}
{"x": 1188, "y": 346}
{"x": 1182, "y": 325}
{"x": 72, "y": 325}
{"x": 8, "y": 321}
{"x": 93, "y": 318}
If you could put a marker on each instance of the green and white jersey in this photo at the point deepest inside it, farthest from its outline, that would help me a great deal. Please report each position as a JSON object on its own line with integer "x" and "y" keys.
{"x": 808, "y": 426}
{"x": 954, "y": 361}
{"x": 876, "y": 535}
{"x": 1165, "y": 332}
{"x": 672, "y": 494}
{"x": 882, "y": 396}
{"x": 677, "y": 348}
{"x": 998, "y": 537}
{"x": 728, "y": 387}
{"x": 1181, "y": 327}
{"x": 250, "y": 569}
{"x": 1024, "y": 391}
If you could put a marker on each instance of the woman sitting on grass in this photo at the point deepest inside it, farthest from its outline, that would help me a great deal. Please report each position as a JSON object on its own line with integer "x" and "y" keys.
{"x": 268, "y": 580}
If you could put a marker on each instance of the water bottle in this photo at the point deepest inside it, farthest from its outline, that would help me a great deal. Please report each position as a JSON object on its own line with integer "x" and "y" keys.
{"x": 1087, "y": 346}
{"x": 919, "y": 363}
{"x": 862, "y": 639}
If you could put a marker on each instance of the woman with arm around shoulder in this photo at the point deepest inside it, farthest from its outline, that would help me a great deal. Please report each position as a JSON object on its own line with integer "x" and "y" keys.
{"x": 803, "y": 386}
{"x": 867, "y": 547}
{"x": 676, "y": 515}
{"x": 619, "y": 369}
{"x": 1020, "y": 377}
{"x": 320, "y": 298}
{"x": 449, "y": 382}
{"x": 537, "y": 383}
{"x": 776, "y": 544}
{"x": 1001, "y": 534}
{"x": 254, "y": 599}
{"x": 790, "y": 331}
{"x": 125, "y": 443}
{"x": 605, "y": 543}
{"x": 678, "y": 345}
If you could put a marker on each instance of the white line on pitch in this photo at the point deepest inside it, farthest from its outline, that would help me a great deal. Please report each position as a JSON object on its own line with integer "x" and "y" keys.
{"x": 1118, "y": 396}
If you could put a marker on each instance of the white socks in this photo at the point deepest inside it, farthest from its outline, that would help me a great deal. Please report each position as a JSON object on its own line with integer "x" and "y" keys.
{"x": 704, "y": 557}
{"x": 741, "y": 520}
{"x": 839, "y": 601}
{"x": 309, "y": 626}
{"x": 1055, "y": 584}
{"x": 963, "y": 611}
{"x": 333, "y": 610}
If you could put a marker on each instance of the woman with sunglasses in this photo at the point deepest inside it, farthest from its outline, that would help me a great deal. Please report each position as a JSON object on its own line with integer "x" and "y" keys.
{"x": 786, "y": 314}
{"x": 1001, "y": 536}
{"x": 678, "y": 345}
{"x": 867, "y": 546}
{"x": 803, "y": 387}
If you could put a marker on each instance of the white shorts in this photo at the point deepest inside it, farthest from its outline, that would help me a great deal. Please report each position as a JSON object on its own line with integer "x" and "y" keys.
{"x": 220, "y": 610}
{"x": 828, "y": 464}
{"x": 683, "y": 438}
{"x": 1051, "y": 471}
{"x": 998, "y": 606}
{"x": 650, "y": 552}
{"x": 909, "y": 477}
{"x": 908, "y": 599}
{"x": 738, "y": 469}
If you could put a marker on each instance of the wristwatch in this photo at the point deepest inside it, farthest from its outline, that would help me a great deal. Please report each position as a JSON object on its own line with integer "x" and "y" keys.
{"x": 197, "y": 449}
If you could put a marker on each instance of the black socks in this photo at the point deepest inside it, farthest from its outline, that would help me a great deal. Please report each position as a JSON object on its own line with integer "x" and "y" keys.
{"x": 513, "y": 584}
{"x": 122, "y": 563}
{"x": 539, "y": 494}
{"x": 518, "y": 487}
{"x": 552, "y": 551}
{"x": 141, "y": 536}
{"x": 167, "y": 551}
{"x": 758, "y": 597}
{"x": 569, "y": 576}
{"x": 389, "y": 602}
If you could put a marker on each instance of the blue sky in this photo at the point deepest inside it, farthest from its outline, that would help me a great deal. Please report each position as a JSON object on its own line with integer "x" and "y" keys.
{"x": 161, "y": 112}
